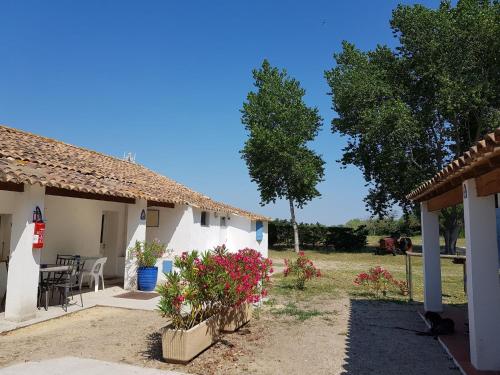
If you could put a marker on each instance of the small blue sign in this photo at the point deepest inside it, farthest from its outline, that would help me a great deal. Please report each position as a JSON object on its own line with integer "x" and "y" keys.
{"x": 167, "y": 266}
{"x": 259, "y": 230}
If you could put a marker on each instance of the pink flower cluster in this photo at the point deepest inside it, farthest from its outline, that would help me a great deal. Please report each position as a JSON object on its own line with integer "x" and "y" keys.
{"x": 246, "y": 271}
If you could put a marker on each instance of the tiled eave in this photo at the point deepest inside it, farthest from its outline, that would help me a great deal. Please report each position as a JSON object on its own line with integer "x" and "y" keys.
{"x": 482, "y": 158}
{"x": 27, "y": 158}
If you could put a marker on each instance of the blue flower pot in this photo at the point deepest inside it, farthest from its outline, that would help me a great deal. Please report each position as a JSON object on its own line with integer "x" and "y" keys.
{"x": 146, "y": 278}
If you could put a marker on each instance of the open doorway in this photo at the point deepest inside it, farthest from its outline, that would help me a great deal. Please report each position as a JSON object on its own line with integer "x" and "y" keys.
{"x": 109, "y": 242}
{"x": 5, "y": 230}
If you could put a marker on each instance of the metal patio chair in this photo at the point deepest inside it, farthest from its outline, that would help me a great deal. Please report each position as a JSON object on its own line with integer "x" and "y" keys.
{"x": 68, "y": 281}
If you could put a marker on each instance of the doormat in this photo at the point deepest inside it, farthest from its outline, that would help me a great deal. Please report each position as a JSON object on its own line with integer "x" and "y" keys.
{"x": 138, "y": 295}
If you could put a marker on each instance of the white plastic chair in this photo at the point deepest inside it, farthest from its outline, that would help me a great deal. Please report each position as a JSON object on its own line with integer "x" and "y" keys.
{"x": 95, "y": 274}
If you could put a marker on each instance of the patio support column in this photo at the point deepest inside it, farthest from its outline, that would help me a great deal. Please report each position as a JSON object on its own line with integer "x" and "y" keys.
{"x": 24, "y": 263}
{"x": 136, "y": 231}
{"x": 483, "y": 286}
{"x": 431, "y": 258}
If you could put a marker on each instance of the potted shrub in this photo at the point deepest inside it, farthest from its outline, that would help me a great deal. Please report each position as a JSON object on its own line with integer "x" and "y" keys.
{"x": 245, "y": 273}
{"x": 190, "y": 298}
{"x": 146, "y": 255}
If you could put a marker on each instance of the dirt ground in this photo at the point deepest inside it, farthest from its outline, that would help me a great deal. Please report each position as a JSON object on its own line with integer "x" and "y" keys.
{"x": 322, "y": 336}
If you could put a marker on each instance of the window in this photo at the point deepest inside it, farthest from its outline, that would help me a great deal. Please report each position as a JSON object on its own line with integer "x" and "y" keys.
{"x": 204, "y": 219}
{"x": 223, "y": 221}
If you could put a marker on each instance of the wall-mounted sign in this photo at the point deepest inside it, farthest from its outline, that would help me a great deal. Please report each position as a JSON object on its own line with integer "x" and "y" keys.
{"x": 153, "y": 218}
{"x": 143, "y": 214}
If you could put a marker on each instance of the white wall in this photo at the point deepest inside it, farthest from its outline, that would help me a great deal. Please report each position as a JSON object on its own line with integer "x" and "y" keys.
{"x": 180, "y": 229}
{"x": 24, "y": 264}
{"x": 9, "y": 201}
{"x": 241, "y": 234}
{"x": 74, "y": 228}
{"x": 135, "y": 232}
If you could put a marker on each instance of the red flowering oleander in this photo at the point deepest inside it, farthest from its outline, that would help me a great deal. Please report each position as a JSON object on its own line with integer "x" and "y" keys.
{"x": 379, "y": 280}
{"x": 204, "y": 284}
{"x": 302, "y": 269}
{"x": 247, "y": 270}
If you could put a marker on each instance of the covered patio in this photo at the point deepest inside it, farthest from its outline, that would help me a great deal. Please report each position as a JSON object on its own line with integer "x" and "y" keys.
{"x": 474, "y": 181}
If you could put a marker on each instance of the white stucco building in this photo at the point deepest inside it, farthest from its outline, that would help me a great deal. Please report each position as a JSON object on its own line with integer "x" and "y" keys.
{"x": 474, "y": 181}
{"x": 95, "y": 205}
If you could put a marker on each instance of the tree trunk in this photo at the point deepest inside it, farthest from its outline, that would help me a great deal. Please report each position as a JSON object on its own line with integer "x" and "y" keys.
{"x": 451, "y": 224}
{"x": 294, "y": 225}
{"x": 450, "y": 239}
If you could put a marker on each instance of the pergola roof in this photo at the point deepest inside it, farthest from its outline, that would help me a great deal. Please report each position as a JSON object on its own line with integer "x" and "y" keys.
{"x": 480, "y": 162}
{"x": 27, "y": 158}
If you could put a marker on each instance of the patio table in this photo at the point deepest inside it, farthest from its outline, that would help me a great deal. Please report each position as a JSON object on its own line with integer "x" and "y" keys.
{"x": 45, "y": 271}
{"x": 44, "y": 268}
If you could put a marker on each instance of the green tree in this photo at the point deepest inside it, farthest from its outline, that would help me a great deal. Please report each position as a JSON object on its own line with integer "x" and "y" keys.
{"x": 408, "y": 112}
{"x": 279, "y": 126}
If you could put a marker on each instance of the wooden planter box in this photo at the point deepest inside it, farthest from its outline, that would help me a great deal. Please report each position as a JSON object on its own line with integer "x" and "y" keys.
{"x": 181, "y": 346}
{"x": 235, "y": 317}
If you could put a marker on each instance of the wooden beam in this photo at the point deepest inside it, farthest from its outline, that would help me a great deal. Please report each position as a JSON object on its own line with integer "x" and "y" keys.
{"x": 11, "y": 186}
{"x": 488, "y": 183}
{"x": 160, "y": 204}
{"x": 78, "y": 194}
{"x": 448, "y": 199}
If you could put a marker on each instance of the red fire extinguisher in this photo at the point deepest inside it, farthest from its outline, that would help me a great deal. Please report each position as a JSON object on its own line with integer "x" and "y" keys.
{"x": 39, "y": 229}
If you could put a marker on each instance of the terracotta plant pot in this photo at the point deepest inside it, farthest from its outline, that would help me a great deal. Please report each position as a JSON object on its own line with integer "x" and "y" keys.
{"x": 233, "y": 318}
{"x": 181, "y": 346}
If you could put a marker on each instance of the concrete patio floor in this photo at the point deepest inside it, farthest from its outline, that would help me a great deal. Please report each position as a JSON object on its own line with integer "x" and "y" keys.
{"x": 106, "y": 297}
{"x": 80, "y": 366}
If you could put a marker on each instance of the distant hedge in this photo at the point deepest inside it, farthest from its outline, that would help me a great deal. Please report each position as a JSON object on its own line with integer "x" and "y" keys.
{"x": 317, "y": 236}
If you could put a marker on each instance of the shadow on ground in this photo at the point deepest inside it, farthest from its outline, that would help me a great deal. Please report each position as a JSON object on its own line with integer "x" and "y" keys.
{"x": 154, "y": 349}
{"x": 381, "y": 340}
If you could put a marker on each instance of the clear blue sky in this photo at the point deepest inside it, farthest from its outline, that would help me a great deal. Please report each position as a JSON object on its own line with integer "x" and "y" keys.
{"x": 166, "y": 80}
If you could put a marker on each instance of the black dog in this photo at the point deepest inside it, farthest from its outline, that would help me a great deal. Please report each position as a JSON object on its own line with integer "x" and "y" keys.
{"x": 439, "y": 326}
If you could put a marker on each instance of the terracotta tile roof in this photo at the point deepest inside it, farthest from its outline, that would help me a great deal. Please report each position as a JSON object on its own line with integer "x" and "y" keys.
{"x": 482, "y": 158}
{"x": 33, "y": 159}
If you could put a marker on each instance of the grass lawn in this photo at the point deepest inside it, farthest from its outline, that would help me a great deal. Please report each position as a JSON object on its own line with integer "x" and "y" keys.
{"x": 340, "y": 268}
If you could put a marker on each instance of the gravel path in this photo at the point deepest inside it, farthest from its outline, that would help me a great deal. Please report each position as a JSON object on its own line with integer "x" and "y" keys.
{"x": 374, "y": 346}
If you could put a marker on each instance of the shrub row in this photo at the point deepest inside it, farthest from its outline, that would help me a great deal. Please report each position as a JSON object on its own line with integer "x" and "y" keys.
{"x": 408, "y": 225}
{"x": 317, "y": 235}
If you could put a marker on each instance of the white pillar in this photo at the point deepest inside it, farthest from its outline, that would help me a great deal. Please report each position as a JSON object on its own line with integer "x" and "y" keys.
{"x": 24, "y": 263}
{"x": 432, "y": 261}
{"x": 136, "y": 231}
{"x": 483, "y": 286}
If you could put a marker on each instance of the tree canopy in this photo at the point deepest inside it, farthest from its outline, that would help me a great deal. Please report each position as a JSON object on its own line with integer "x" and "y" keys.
{"x": 409, "y": 111}
{"x": 280, "y": 126}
